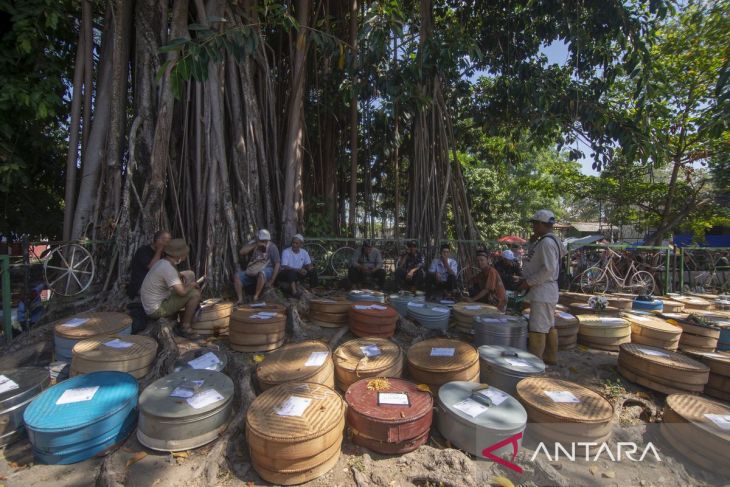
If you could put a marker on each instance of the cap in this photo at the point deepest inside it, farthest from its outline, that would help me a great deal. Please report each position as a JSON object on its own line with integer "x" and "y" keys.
{"x": 299, "y": 237}
{"x": 264, "y": 235}
{"x": 177, "y": 248}
{"x": 508, "y": 254}
{"x": 543, "y": 216}
{"x": 412, "y": 243}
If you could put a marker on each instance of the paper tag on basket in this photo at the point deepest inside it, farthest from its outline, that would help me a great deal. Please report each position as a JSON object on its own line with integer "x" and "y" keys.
{"x": 371, "y": 350}
{"x": 378, "y": 307}
{"x": 492, "y": 320}
{"x": 184, "y": 392}
{"x": 517, "y": 362}
{"x": 294, "y": 406}
{"x": 396, "y": 398}
{"x": 442, "y": 352}
{"x": 612, "y": 321}
{"x": 205, "y": 398}
{"x": 117, "y": 343}
{"x": 413, "y": 304}
{"x": 470, "y": 407}
{"x": 209, "y": 361}
{"x": 721, "y": 420}
{"x": 363, "y": 306}
{"x": 258, "y": 305}
{"x": 316, "y": 359}
{"x": 439, "y": 309}
{"x": 447, "y": 301}
{"x": 7, "y": 384}
{"x": 497, "y": 397}
{"x": 74, "y": 322}
{"x": 473, "y": 307}
{"x": 562, "y": 396}
{"x": 77, "y": 395}
{"x": 656, "y": 353}
{"x": 565, "y": 316}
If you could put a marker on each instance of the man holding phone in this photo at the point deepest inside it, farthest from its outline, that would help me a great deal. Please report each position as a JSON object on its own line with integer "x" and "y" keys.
{"x": 263, "y": 266}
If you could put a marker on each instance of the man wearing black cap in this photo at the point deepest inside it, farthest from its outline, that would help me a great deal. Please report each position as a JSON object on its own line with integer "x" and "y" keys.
{"x": 442, "y": 272}
{"x": 366, "y": 264}
{"x": 409, "y": 272}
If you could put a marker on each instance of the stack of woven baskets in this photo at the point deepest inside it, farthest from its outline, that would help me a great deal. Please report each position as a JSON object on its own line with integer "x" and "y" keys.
{"x": 698, "y": 334}
{"x": 364, "y": 358}
{"x": 567, "y": 297}
{"x": 463, "y": 315}
{"x": 307, "y": 361}
{"x": 567, "y": 326}
{"x": 133, "y": 354}
{"x": 718, "y": 384}
{"x": 693, "y": 303}
{"x": 603, "y": 332}
{"x": 329, "y": 313}
{"x": 662, "y": 370}
{"x": 69, "y": 331}
{"x": 213, "y": 318}
{"x": 440, "y": 360}
{"x": 372, "y": 320}
{"x": 653, "y": 331}
{"x": 257, "y": 329}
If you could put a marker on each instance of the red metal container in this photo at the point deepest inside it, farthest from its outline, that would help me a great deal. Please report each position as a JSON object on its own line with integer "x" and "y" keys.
{"x": 389, "y": 428}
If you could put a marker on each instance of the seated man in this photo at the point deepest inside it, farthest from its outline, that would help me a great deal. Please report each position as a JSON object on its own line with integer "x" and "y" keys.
{"x": 509, "y": 270}
{"x": 442, "y": 272}
{"x": 164, "y": 291}
{"x": 263, "y": 266}
{"x": 144, "y": 258}
{"x": 488, "y": 287}
{"x": 296, "y": 265}
{"x": 409, "y": 271}
{"x": 366, "y": 264}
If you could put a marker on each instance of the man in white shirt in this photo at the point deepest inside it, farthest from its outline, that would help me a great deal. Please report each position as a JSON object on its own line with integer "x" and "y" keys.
{"x": 442, "y": 272}
{"x": 296, "y": 265}
{"x": 165, "y": 291}
{"x": 541, "y": 268}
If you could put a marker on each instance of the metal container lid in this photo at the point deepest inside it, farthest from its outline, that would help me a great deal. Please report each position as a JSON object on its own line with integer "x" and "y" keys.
{"x": 202, "y": 359}
{"x": 246, "y": 309}
{"x": 564, "y": 401}
{"x": 17, "y": 386}
{"x": 428, "y": 310}
{"x": 294, "y": 412}
{"x": 81, "y": 401}
{"x": 482, "y": 406}
{"x": 398, "y": 401}
{"x": 367, "y": 355}
{"x": 366, "y": 295}
{"x": 117, "y": 348}
{"x": 87, "y": 325}
{"x": 442, "y": 354}
{"x": 186, "y": 394}
{"x": 513, "y": 360}
{"x": 295, "y": 362}
{"x": 502, "y": 325}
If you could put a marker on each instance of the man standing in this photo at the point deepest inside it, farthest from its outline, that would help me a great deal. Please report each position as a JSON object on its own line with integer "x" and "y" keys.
{"x": 143, "y": 260}
{"x": 164, "y": 291}
{"x": 509, "y": 270}
{"x": 409, "y": 272}
{"x": 540, "y": 270}
{"x": 297, "y": 265}
{"x": 366, "y": 264}
{"x": 488, "y": 284}
{"x": 263, "y": 267}
{"x": 443, "y": 271}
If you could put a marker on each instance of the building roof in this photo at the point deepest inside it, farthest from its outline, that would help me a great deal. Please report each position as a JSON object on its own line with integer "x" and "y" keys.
{"x": 590, "y": 227}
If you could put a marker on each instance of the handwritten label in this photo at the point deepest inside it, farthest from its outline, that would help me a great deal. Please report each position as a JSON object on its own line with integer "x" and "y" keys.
{"x": 7, "y": 384}
{"x": 497, "y": 397}
{"x": 517, "y": 362}
{"x": 184, "y": 392}
{"x": 117, "y": 343}
{"x": 371, "y": 350}
{"x": 721, "y": 420}
{"x": 316, "y": 359}
{"x": 442, "y": 352}
{"x": 439, "y": 309}
{"x": 73, "y": 323}
{"x": 77, "y": 395}
{"x": 415, "y": 305}
{"x": 209, "y": 361}
{"x": 473, "y": 307}
{"x": 562, "y": 396}
{"x": 258, "y": 305}
{"x": 294, "y": 406}
{"x": 205, "y": 398}
{"x": 395, "y": 398}
{"x": 470, "y": 407}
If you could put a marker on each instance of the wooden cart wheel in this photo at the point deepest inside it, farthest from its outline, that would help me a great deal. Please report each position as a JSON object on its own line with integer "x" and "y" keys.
{"x": 69, "y": 270}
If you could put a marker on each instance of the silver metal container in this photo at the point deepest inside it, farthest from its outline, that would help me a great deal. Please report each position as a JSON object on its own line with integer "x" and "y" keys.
{"x": 184, "y": 410}
{"x": 473, "y": 417}
{"x": 506, "y": 330}
{"x": 430, "y": 315}
{"x": 19, "y": 387}
{"x": 400, "y": 301}
{"x": 503, "y": 367}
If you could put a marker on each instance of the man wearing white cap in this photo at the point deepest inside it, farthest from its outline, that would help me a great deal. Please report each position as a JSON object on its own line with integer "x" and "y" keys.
{"x": 540, "y": 271}
{"x": 509, "y": 270}
{"x": 296, "y": 265}
{"x": 263, "y": 266}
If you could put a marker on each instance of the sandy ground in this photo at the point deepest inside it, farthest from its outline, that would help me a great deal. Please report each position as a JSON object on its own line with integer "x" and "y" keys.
{"x": 433, "y": 464}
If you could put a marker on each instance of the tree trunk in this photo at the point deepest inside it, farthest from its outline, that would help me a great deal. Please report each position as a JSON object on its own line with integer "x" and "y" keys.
{"x": 353, "y": 121}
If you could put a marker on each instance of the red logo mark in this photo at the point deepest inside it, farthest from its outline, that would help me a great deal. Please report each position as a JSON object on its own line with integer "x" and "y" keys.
{"x": 487, "y": 452}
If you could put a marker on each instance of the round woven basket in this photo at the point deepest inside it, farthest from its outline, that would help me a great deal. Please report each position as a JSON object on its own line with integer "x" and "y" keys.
{"x": 718, "y": 362}
{"x": 594, "y": 327}
{"x": 567, "y": 342}
{"x": 585, "y": 309}
{"x": 463, "y": 315}
{"x": 671, "y": 306}
{"x": 372, "y": 319}
{"x": 610, "y": 344}
{"x": 652, "y": 327}
{"x": 435, "y": 370}
{"x": 567, "y": 297}
{"x": 659, "y": 366}
{"x": 620, "y": 302}
{"x": 96, "y": 324}
{"x": 213, "y": 318}
{"x": 693, "y": 302}
{"x": 246, "y": 309}
{"x": 672, "y": 345}
{"x": 289, "y": 364}
{"x": 133, "y": 354}
{"x": 295, "y": 448}
{"x": 332, "y": 306}
{"x": 691, "y": 342}
{"x": 352, "y": 362}
{"x": 251, "y": 331}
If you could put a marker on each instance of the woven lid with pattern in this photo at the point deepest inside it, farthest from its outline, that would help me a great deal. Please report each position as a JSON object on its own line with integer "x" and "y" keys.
{"x": 651, "y": 322}
{"x": 557, "y": 398}
{"x": 474, "y": 309}
{"x": 257, "y": 315}
{"x": 246, "y": 309}
{"x": 441, "y": 354}
{"x": 310, "y": 411}
{"x": 602, "y": 321}
{"x": 693, "y": 301}
{"x": 91, "y": 324}
{"x": 367, "y": 354}
{"x": 115, "y": 348}
{"x": 664, "y": 357}
{"x": 294, "y": 362}
{"x": 699, "y": 411}
{"x": 330, "y": 305}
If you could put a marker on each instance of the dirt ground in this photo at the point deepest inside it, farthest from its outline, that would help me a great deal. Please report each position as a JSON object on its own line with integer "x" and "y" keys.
{"x": 434, "y": 464}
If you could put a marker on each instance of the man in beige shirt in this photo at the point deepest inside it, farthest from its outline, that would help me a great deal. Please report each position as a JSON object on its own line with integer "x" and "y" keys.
{"x": 540, "y": 272}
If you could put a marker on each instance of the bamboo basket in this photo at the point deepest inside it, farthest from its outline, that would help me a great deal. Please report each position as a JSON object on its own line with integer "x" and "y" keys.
{"x": 69, "y": 331}
{"x": 693, "y": 303}
{"x": 249, "y": 334}
{"x": 585, "y": 309}
{"x": 368, "y": 319}
{"x": 662, "y": 370}
{"x": 289, "y": 364}
{"x": 463, "y": 314}
{"x": 329, "y": 313}
{"x": 653, "y": 331}
{"x": 352, "y": 363}
{"x": 619, "y": 302}
{"x": 567, "y": 297}
{"x": 133, "y": 354}
{"x": 435, "y": 371}
{"x": 214, "y": 317}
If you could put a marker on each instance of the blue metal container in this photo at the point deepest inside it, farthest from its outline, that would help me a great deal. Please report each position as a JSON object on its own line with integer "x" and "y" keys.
{"x": 653, "y": 305}
{"x": 82, "y": 417}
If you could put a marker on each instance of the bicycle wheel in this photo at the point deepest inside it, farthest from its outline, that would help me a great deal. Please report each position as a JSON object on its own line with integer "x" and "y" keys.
{"x": 340, "y": 260}
{"x": 69, "y": 270}
{"x": 318, "y": 254}
{"x": 642, "y": 283}
{"x": 465, "y": 275}
{"x": 593, "y": 280}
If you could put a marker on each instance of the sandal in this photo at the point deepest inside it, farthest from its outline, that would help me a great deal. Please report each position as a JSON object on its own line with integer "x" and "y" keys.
{"x": 187, "y": 332}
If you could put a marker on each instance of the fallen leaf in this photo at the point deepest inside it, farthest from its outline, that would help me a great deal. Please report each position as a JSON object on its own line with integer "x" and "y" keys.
{"x": 136, "y": 457}
{"x": 573, "y": 370}
{"x": 424, "y": 388}
{"x": 593, "y": 470}
{"x": 608, "y": 475}
{"x": 180, "y": 454}
{"x": 250, "y": 484}
{"x": 503, "y": 482}
{"x": 258, "y": 358}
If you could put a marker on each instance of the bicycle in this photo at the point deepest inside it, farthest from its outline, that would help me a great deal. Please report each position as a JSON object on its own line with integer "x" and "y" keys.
{"x": 598, "y": 279}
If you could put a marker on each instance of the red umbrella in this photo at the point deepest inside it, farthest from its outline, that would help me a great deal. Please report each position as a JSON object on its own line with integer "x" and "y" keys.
{"x": 512, "y": 239}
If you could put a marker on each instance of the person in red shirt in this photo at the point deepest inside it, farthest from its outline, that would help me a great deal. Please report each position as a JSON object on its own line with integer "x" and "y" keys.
{"x": 488, "y": 287}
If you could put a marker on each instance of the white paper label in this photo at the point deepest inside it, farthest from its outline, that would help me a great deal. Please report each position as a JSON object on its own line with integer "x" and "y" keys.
{"x": 470, "y": 407}
{"x": 370, "y": 350}
{"x": 363, "y": 306}
{"x": 473, "y": 307}
{"x": 612, "y": 321}
{"x": 492, "y": 320}
{"x": 183, "y": 392}
{"x": 294, "y": 406}
{"x": 439, "y": 309}
{"x": 316, "y": 359}
{"x": 447, "y": 301}
{"x": 722, "y": 420}
{"x": 565, "y": 316}
{"x": 397, "y": 398}
{"x": 117, "y": 343}
{"x": 74, "y": 322}
{"x": 77, "y": 395}
{"x": 656, "y": 353}
{"x": 7, "y": 384}
{"x": 325, "y": 301}
{"x": 262, "y": 316}
{"x": 258, "y": 305}
{"x": 416, "y": 305}
{"x": 206, "y": 362}
{"x": 517, "y": 362}
{"x": 497, "y": 397}
{"x": 378, "y": 307}
{"x": 442, "y": 352}
{"x": 562, "y": 396}
{"x": 205, "y": 398}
